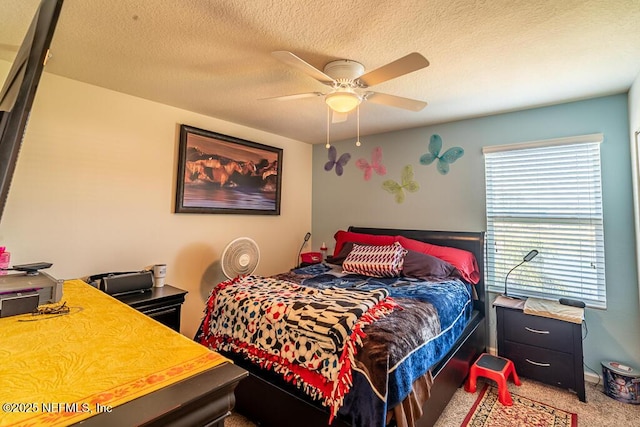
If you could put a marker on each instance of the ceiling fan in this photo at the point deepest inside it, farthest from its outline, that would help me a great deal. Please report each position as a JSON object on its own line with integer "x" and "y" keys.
{"x": 348, "y": 82}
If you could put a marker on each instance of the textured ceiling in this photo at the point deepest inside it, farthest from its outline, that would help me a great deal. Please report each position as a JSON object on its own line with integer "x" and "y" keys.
{"x": 213, "y": 56}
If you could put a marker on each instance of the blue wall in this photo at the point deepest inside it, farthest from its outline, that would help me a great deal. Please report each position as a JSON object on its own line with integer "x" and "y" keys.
{"x": 456, "y": 201}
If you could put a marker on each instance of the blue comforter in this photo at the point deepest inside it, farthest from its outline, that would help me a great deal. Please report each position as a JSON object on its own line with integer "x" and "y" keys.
{"x": 403, "y": 346}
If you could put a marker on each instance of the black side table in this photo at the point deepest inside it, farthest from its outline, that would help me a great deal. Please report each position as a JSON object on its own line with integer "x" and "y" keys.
{"x": 544, "y": 349}
{"x": 162, "y": 304}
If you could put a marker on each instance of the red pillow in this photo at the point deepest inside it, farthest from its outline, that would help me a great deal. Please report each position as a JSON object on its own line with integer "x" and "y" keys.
{"x": 463, "y": 260}
{"x": 343, "y": 237}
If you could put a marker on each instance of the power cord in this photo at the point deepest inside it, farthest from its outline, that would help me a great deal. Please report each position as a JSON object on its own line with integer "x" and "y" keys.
{"x": 586, "y": 332}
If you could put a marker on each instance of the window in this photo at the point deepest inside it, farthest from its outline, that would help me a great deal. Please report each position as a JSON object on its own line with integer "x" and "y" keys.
{"x": 546, "y": 195}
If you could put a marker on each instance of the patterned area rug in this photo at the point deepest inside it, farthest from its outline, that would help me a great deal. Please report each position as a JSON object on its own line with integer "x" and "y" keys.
{"x": 487, "y": 411}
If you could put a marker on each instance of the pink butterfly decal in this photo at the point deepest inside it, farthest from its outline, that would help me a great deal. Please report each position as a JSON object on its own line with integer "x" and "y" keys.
{"x": 376, "y": 164}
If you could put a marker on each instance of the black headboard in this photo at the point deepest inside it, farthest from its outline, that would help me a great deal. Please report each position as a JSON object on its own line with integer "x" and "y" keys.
{"x": 467, "y": 240}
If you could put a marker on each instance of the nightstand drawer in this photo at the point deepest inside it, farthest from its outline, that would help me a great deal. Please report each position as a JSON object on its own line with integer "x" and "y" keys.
{"x": 538, "y": 331}
{"x": 551, "y": 367}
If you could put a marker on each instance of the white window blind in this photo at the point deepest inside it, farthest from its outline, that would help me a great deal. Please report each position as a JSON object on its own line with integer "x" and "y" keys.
{"x": 546, "y": 195}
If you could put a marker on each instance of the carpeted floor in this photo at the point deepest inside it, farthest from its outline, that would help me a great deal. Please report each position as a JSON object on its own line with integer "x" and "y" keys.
{"x": 599, "y": 410}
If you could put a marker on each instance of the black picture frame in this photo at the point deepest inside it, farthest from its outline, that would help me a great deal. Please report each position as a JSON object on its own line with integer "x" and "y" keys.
{"x": 221, "y": 174}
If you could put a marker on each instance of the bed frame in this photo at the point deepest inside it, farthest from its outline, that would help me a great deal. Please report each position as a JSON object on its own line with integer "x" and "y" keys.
{"x": 270, "y": 401}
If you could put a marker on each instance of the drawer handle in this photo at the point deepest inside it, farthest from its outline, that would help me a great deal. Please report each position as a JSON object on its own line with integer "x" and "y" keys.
{"x": 535, "y": 331}
{"x": 546, "y": 365}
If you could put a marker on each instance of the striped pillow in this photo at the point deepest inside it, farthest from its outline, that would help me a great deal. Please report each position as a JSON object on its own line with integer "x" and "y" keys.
{"x": 375, "y": 261}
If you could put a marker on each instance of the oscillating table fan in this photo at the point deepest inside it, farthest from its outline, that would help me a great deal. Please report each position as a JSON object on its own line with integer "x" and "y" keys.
{"x": 240, "y": 257}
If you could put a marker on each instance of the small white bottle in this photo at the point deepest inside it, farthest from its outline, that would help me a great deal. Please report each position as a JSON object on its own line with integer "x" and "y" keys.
{"x": 323, "y": 251}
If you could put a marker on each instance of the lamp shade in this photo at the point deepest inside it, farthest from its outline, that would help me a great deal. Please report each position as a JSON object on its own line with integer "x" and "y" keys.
{"x": 343, "y": 101}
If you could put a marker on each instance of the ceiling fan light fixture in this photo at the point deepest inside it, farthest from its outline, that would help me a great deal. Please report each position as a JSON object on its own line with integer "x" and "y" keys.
{"x": 343, "y": 101}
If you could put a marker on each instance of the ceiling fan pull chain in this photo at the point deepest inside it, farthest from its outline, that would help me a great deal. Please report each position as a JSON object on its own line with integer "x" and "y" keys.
{"x": 358, "y": 144}
{"x": 328, "y": 122}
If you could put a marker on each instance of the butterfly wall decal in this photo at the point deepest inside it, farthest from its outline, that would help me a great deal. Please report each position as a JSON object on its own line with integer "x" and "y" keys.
{"x": 407, "y": 184}
{"x": 444, "y": 160}
{"x": 376, "y": 164}
{"x": 339, "y": 163}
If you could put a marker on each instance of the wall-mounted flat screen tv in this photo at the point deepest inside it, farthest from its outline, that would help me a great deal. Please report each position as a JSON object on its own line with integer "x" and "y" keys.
{"x": 20, "y": 87}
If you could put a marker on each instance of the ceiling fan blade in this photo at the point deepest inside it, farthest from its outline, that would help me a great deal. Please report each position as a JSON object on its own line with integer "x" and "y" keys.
{"x": 395, "y": 101}
{"x": 405, "y": 65}
{"x": 299, "y": 63}
{"x": 339, "y": 117}
{"x": 294, "y": 96}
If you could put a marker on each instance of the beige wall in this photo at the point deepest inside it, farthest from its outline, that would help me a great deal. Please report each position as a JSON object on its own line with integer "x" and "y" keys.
{"x": 94, "y": 187}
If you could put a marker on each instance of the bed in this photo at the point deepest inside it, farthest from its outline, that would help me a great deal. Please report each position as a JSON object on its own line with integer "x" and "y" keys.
{"x": 424, "y": 368}
{"x": 103, "y": 363}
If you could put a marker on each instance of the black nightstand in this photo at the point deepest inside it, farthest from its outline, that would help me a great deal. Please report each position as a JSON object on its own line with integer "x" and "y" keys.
{"x": 544, "y": 349}
{"x": 162, "y": 304}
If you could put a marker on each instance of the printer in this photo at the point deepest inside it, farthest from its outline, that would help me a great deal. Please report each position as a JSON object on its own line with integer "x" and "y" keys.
{"x": 24, "y": 291}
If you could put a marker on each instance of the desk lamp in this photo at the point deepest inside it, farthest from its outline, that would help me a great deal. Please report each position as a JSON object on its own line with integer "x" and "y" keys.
{"x": 528, "y": 257}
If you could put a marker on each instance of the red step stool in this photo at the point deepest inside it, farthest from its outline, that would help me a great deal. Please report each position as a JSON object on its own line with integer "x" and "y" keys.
{"x": 496, "y": 368}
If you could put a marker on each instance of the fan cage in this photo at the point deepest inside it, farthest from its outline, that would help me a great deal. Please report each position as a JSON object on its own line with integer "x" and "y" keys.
{"x": 240, "y": 257}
